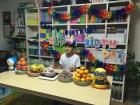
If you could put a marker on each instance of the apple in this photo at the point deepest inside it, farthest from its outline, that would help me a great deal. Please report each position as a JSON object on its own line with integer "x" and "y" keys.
{"x": 24, "y": 67}
{"x": 18, "y": 67}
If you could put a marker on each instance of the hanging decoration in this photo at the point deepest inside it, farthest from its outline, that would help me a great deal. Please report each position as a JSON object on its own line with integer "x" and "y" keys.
{"x": 91, "y": 10}
{"x": 110, "y": 68}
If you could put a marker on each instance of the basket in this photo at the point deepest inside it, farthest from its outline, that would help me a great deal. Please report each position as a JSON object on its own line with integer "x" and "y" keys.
{"x": 20, "y": 72}
{"x": 31, "y": 74}
{"x": 82, "y": 83}
{"x": 66, "y": 80}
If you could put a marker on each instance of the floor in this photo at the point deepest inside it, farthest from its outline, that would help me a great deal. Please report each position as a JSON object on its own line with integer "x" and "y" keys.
{"x": 18, "y": 98}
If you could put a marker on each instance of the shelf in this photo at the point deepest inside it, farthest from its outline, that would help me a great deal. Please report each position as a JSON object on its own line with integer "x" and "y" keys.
{"x": 118, "y": 1}
{"x": 33, "y": 47}
{"x": 79, "y": 24}
{"x": 19, "y": 37}
{"x": 98, "y": 3}
{"x": 32, "y": 25}
{"x": 31, "y": 55}
{"x": 117, "y": 23}
{"x": 46, "y": 57}
{"x": 21, "y": 47}
{"x": 117, "y": 82}
{"x": 32, "y": 40}
{"x": 20, "y": 26}
{"x": 116, "y": 100}
{"x": 61, "y": 24}
{"x": 47, "y": 24}
{"x": 96, "y": 23}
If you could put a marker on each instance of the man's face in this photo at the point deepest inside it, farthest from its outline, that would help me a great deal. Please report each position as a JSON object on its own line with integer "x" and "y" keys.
{"x": 68, "y": 49}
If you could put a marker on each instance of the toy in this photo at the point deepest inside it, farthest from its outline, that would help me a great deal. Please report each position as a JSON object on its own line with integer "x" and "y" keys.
{"x": 100, "y": 79}
{"x": 11, "y": 63}
{"x": 82, "y": 77}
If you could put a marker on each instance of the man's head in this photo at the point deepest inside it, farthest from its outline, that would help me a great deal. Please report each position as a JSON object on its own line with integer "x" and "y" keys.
{"x": 69, "y": 48}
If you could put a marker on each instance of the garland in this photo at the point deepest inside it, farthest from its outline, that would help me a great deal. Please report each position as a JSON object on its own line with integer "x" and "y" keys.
{"x": 110, "y": 68}
{"x": 91, "y": 10}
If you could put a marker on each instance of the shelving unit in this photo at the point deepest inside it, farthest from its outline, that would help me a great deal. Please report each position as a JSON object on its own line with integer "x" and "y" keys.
{"x": 20, "y": 36}
{"x": 39, "y": 26}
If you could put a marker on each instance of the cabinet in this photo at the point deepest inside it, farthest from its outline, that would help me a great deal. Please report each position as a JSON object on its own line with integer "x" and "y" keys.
{"x": 106, "y": 39}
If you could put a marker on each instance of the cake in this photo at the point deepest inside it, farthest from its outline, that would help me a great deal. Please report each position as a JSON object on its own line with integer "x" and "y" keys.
{"x": 49, "y": 74}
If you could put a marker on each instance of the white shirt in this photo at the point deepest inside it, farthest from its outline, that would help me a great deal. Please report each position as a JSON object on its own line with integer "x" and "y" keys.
{"x": 67, "y": 62}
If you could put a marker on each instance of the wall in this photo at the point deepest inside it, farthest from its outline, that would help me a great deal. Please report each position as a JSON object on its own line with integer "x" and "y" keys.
{"x": 134, "y": 36}
{"x": 8, "y": 5}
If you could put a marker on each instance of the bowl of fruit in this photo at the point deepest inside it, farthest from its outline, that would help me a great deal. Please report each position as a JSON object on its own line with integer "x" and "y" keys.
{"x": 21, "y": 67}
{"x": 65, "y": 76}
{"x": 35, "y": 70}
{"x": 82, "y": 77}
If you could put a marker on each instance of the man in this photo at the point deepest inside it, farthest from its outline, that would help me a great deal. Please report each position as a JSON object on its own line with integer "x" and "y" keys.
{"x": 69, "y": 60}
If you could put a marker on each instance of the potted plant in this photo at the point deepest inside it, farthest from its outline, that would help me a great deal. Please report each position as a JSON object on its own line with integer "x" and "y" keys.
{"x": 132, "y": 78}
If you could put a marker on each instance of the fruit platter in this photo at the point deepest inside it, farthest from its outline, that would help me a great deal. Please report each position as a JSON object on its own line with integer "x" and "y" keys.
{"x": 82, "y": 77}
{"x": 65, "y": 76}
{"x": 35, "y": 70}
{"x": 21, "y": 67}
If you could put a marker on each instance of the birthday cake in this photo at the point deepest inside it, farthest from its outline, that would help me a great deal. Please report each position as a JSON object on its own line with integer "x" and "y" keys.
{"x": 49, "y": 74}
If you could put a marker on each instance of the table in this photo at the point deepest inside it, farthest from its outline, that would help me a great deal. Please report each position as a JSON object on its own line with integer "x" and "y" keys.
{"x": 65, "y": 92}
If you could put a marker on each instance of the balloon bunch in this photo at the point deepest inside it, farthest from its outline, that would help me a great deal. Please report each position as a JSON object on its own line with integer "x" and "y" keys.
{"x": 124, "y": 11}
{"x": 113, "y": 68}
{"x": 104, "y": 14}
{"x": 88, "y": 54}
{"x": 91, "y": 10}
{"x": 59, "y": 16}
{"x": 80, "y": 11}
{"x": 56, "y": 54}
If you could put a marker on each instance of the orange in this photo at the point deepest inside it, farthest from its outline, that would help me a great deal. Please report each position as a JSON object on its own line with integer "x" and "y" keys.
{"x": 82, "y": 68}
{"x": 88, "y": 75}
{"x": 77, "y": 70}
{"x": 88, "y": 78}
{"x": 84, "y": 75}
{"x": 19, "y": 63}
{"x": 86, "y": 71}
{"x": 23, "y": 62}
{"x": 77, "y": 75}
{"x": 22, "y": 59}
{"x": 83, "y": 79}
{"x": 77, "y": 78}
{"x": 81, "y": 72}
{"x": 74, "y": 77}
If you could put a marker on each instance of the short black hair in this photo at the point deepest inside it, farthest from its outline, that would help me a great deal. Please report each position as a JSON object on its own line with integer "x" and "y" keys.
{"x": 69, "y": 45}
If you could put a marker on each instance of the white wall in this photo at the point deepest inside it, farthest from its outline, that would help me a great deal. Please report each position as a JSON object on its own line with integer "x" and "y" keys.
{"x": 8, "y": 5}
{"x": 134, "y": 36}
